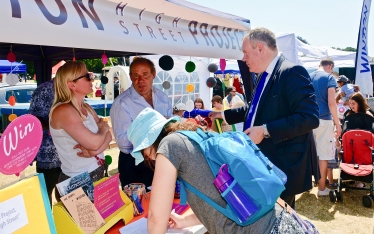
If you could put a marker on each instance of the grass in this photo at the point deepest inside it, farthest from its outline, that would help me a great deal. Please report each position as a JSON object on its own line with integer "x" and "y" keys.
{"x": 349, "y": 216}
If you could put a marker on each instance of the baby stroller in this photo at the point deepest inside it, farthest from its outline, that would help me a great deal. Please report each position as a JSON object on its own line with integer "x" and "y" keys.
{"x": 357, "y": 161}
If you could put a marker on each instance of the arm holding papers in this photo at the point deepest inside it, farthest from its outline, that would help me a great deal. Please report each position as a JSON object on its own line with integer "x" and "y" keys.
{"x": 183, "y": 221}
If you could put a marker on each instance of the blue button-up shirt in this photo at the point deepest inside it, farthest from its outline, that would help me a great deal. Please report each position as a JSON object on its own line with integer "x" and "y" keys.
{"x": 127, "y": 106}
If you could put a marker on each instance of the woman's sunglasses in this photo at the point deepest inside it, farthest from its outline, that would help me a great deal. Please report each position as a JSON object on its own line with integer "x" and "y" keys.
{"x": 87, "y": 76}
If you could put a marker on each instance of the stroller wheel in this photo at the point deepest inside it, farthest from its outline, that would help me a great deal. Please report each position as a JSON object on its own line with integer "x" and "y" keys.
{"x": 339, "y": 196}
{"x": 332, "y": 196}
{"x": 367, "y": 201}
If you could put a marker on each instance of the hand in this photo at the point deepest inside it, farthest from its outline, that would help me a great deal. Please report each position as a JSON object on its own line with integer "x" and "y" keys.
{"x": 176, "y": 221}
{"x": 338, "y": 130}
{"x": 85, "y": 153}
{"x": 103, "y": 125}
{"x": 255, "y": 133}
{"x": 215, "y": 115}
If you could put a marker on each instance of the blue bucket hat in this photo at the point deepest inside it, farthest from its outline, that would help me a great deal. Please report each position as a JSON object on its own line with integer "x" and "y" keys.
{"x": 145, "y": 129}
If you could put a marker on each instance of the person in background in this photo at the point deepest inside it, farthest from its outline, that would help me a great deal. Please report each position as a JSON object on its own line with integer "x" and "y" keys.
{"x": 177, "y": 155}
{"x": 346, "y": 89}
{"x": 199, "y": 104}
{"x": 324, "y": 84}
{"x": 179, "y": 109}
{"x": 103, "y": 91}
{"x": 358, "y": 104}
{"x": 47, "y": 161}
{"x": 217, "y": 103}
{"x": 79, "y": 135}
{"x": 116, "y": 86}
{"x": 231, "y": 98}
{"x": 124, "y": 110}
{"x": 282, "y": 114}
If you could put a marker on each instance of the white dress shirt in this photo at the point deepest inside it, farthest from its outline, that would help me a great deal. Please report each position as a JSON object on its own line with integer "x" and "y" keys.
{"x": 269, "y": 70}
{"x": 127, "y": 106}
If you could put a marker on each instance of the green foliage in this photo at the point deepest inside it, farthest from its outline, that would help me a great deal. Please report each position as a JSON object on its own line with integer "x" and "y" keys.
{"x": 303, "y": 40}
{"x": 30, "y": 69}
{"x": 349, "y": 49}
{"x": 93, "y": 65}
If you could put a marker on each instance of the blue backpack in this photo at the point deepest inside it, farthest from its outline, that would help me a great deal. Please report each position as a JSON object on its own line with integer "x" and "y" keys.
{"x": 256, "y": 175}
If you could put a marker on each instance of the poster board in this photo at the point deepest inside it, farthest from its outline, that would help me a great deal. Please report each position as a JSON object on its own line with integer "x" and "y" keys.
{"x": 27, "y": 204}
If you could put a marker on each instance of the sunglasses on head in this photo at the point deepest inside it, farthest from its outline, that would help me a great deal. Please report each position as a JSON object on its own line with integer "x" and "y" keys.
{"x": 87, "y": 76}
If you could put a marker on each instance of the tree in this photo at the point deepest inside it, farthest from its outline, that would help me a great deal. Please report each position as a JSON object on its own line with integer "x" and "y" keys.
{"x": 303, "y": 40}
{"x": 349, "y": 49}
{"x": 93, "y": 65}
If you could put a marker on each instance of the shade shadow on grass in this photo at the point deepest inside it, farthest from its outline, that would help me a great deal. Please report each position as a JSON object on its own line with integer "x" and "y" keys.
{"x": 320, "y": 208}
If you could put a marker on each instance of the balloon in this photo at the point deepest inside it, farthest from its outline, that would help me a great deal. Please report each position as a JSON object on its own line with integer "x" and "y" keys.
{"x": 11, "y": 57}
{"x": 12, "y": 79}
{"x": 12, "y": 117}
{"x": 104, "y": 59}
{"x": 211, "y": 82}
{"x": 212, "y": 68}
{"x": 190, "y": 66}
{"x": 74, "y": 59}
{"x": 12, "y": 100}
{"x": 166, "y": 63}
{"x": 190, "y": 105}
{"x": 190, "y": 88}
{"x": 104, "y": 79}
{"x": 222, "y": 64}
{"x": 108, "y": 159}
{"x": 166, "y": 84}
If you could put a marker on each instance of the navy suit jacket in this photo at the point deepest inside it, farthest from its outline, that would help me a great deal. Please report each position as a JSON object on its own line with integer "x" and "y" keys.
{"x": 289, "y": 109}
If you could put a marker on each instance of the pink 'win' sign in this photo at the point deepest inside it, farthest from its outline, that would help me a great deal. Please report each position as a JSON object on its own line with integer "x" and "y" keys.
{"x": 19, "y": 144}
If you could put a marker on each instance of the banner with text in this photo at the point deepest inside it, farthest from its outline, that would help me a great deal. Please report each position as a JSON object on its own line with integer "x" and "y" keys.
{"x": 363, "y": 70}
{"x": 109, "y": 25}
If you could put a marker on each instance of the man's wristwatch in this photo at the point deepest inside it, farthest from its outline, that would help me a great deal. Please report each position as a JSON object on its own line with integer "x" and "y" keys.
{"x": 266, "y": 133}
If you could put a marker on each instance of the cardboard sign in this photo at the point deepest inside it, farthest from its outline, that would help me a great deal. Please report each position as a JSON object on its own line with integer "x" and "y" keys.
{"x": 13, "y": 214}
{"x": 107, "y": 196}
{"x": 25, "y": 208}
{"x": 19, "y": 144}
{"x": 83, "y": 211}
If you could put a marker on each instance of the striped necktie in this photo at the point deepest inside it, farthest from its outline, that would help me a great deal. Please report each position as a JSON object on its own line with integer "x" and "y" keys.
{"x": 255, "y": 100}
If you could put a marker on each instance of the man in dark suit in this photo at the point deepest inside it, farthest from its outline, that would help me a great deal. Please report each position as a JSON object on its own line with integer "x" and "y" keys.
{"x": 282, "y": 114}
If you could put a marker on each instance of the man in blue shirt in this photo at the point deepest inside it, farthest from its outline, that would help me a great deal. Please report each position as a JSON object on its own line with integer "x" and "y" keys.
{"x": 324, "y": 84}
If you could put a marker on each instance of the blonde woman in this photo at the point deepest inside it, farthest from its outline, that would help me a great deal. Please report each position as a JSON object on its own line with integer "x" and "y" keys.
{"x": 79, "y": 135}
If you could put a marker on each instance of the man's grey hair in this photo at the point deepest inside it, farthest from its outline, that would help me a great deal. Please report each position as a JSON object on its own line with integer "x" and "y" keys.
{"x": 326, "y": 61}
{"x": 263, "y": 35}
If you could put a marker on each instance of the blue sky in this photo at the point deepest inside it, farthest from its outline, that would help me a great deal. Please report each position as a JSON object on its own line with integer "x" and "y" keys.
{"x": 321, "y": 22}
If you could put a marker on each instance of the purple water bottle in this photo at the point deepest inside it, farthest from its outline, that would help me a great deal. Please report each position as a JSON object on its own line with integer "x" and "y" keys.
{"x": 240, "y": 202}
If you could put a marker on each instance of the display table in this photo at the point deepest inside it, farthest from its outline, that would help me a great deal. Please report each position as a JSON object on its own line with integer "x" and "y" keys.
{"x": 198, "y": 229}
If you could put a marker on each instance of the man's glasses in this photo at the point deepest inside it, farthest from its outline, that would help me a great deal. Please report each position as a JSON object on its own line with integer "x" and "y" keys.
{"x": 87, "y": 76}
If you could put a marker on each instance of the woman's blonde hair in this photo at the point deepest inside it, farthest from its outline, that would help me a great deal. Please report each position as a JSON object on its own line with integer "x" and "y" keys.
{"x": 63, "y": 94}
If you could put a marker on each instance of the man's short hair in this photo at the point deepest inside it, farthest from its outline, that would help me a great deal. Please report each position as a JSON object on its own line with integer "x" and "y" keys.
{"x": 327, "y": 61}
{"x": 142, "y": 60}
{"x": 264, "y": 35}
{"x": 217, "y": 98}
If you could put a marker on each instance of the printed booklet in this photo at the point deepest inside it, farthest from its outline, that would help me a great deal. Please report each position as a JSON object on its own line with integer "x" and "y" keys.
{"x": 83, "y": 181}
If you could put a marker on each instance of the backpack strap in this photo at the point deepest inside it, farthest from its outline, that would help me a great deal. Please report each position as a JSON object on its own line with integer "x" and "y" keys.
{"x": 283, "y": 204}
{"x": 205, "y": 198}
